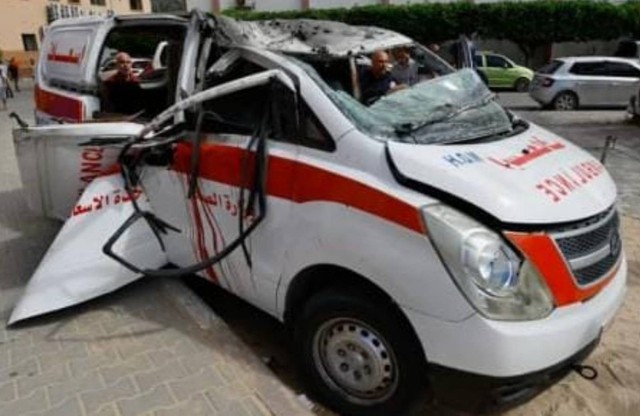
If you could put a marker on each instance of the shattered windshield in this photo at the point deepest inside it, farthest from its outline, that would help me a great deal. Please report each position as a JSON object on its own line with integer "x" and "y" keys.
{"x": 446, "y": 109}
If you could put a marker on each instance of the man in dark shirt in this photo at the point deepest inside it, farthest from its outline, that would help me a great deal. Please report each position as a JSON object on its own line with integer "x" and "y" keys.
{"x": 377, "y": 80}
{"x": 122, "y": 93}
{"x": 14, "y": 73}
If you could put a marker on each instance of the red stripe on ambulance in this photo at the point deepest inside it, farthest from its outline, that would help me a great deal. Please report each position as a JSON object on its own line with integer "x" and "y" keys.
{"x": 299, "y": 182}
{"x": 57, "y": 105}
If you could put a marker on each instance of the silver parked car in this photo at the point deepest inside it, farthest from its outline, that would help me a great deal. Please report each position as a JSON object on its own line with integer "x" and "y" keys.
{"x": 586, "y": 81}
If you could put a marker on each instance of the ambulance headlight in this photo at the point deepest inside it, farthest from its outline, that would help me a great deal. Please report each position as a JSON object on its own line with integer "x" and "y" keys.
{"x": 495, "y": 280}
{"x": 492, "y": 265}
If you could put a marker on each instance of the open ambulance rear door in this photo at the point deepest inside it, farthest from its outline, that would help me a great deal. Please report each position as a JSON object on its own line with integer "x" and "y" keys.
{"x": 66, "y": 88}
{"x": 74, "y": 53}
{"x": 56, "y": 164}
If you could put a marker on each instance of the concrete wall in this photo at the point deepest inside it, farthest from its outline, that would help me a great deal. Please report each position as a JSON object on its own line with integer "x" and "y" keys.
{"x": 329, "y": 4}
{"x": 417, "y": 1}
{"x": 276, "y": 5}
{"x": 603, "y": 48}
{"x": 205, "y": 5}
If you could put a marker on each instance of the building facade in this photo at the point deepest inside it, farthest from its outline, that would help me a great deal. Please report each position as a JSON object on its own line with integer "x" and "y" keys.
{"x": 22, "y": 22}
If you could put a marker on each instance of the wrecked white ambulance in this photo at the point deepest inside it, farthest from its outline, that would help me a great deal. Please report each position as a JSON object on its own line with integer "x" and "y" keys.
{"x": 432, "y": 235}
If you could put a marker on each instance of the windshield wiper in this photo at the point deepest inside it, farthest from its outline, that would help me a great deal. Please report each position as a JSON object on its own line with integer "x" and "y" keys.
{"x": 407, "y": 128}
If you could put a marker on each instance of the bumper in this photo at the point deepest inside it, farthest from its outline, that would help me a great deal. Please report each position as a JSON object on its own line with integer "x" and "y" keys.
{"x": 542, "y": 95}
{"x": 511, "y": 349}
{"x": 474, "y": 393}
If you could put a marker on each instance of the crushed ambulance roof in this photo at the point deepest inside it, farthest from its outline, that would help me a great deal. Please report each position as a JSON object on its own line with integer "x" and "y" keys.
{"x": 309, "y": 37}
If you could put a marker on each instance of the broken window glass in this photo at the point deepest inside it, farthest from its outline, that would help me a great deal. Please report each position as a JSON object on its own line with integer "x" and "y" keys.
{"x": 446, "y": 109}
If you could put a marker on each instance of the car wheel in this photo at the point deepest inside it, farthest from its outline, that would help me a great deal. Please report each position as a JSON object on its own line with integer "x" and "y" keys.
{"x": 357, "y": 354}
{"x": 522, "y": 85}
{"x": 565, "y": 101}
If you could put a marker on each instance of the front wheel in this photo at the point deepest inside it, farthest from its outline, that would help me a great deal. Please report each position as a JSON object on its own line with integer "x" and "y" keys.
{"x": 357, "y": 354}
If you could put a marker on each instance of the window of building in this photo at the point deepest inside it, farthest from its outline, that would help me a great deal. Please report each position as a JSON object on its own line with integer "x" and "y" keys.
{"x": 29, "y": 42}
{"x": 98, "y": 2}
{"x": 135, "y": 4}
{"x": 74, "y": 1}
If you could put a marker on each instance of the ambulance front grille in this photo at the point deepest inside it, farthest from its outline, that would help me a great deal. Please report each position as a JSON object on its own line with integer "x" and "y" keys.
{"x": 591, "y": 274}
{"x": 593, "y": 250}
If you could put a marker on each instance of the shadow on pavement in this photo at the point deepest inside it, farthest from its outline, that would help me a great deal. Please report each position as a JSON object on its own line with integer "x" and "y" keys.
{"x": 269, "y": 340}
{"x": 24, "y": 238}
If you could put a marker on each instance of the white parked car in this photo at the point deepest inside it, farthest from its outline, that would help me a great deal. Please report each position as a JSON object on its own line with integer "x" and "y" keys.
{"x": 431, "y": 235}
{"x": 586, "y": 81}
{"x": 633, "y": 108}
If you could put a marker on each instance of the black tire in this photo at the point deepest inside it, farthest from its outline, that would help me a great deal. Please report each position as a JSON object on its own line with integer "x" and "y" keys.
{"x": 565, "y": 101}
{"x": 521, "y": 85}
{"x": 329, "y": 357}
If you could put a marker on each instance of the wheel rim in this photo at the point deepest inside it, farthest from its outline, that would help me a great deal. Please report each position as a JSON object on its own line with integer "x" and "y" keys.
{"x": 565, "y": 102}
{"x": 355, "y": 360}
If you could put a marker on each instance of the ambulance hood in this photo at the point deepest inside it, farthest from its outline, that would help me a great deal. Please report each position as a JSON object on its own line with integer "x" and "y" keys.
{"x": 535, "y": 177}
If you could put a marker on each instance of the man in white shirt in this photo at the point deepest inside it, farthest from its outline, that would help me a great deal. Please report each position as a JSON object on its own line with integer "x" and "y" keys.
{"x": 4, "y": 84}
{"x": 8, "y": 92}
{"x": 405, "y": 69}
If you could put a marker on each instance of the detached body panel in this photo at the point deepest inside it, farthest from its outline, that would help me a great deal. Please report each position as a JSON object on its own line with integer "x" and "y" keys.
{"x": 74, "y": 269}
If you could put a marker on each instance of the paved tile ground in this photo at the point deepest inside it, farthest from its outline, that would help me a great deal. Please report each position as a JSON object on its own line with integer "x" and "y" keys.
{"x": 150, "y": 349}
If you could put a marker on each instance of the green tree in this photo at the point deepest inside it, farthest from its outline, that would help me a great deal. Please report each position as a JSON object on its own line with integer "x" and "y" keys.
{"x": 530, "y": 25}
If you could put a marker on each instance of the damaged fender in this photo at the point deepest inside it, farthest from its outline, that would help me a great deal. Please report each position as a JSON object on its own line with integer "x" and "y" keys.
{"x": 74, "y": 269}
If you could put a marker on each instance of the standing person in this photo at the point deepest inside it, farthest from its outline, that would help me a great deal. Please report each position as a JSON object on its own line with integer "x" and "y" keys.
{"x": 405, "y": 69}
{"x": 4, "y": 85}
{"x": 4, "y": 68}
{"x": 14, "y": 73}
